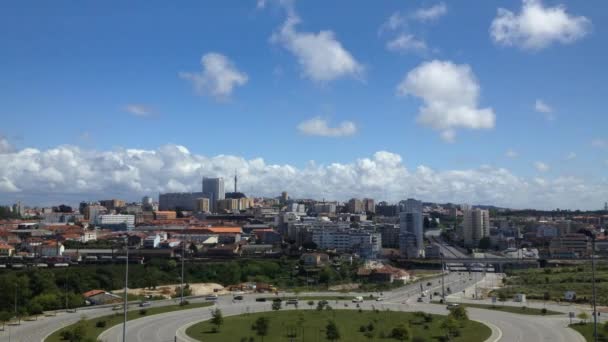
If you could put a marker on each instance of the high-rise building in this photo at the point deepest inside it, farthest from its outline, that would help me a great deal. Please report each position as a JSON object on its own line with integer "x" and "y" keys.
{"x": 178, "y": 200}
{"x": 202, "y": 205}
{"x": 284, "y": 197}
{"x": 369, "y": 206}
{"x": 476, "y": 225}
{"x": 355, "y": 206}
{"x": 411, "y": 234}
{"x": 605, "y": 206}
{"x": 112, "y": 204}
{"x": 213, "y": 188}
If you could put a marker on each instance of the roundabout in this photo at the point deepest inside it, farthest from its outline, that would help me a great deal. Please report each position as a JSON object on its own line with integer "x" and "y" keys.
{"x": 349, "y": 325}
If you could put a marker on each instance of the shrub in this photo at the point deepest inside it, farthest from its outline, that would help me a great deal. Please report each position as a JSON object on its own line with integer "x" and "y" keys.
{"x": 143, "y": 312}
{"x": 543, "y": 311}
{"x": 100, "y": 324}
{"x": 362, "y": 328}
{"x": 418, "y": 339}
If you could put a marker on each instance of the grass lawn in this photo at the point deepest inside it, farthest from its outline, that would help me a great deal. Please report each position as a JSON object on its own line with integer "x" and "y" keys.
{"x": 304, "y": 299}
{"x": 310, "y": 325}
{"x": 511, "y": 309}
{"x": 92, "y": 330}
{"x": 587, "y": 331}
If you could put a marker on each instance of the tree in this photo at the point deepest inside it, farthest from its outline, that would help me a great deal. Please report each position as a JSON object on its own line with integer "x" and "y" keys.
{"x": 485, "y": 243}
{"x": 34, "y": 308}
{"x": 261, "y": 326}
{"x": 450, "y": 326}
{"x": 583, "y": 316}
{"x": 331, "y": 331}
{"x": 5, "y": 316}
{"x": 400, "y": 333}
{"x": 276, "y": 305}
{"x": 311, "y": 303}
{"x": 217, "y": 318}
{"x": 459, "y": 314}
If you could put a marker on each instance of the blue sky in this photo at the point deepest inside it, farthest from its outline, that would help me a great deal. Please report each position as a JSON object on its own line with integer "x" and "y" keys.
{"x": 72, "y": 70}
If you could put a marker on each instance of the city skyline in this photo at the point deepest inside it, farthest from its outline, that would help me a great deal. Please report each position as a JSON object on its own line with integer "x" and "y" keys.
{"x": 389, "y": 102}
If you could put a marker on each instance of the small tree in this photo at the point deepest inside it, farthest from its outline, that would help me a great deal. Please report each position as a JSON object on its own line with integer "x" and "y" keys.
{"x": 583, "y": 316}
{"x": 311, "y": 303}
{"x": 35, "y": 309}
{"x": 261, "y": 326}
{"x": 276, "y": 305}
{"x": 5, "y": 316}
{"x": 450, "y": 326}
{"x": 331, "y": 331}
{"x": 459, "y": 314}
{"x": 217, "y": 318}
{"x": 400, "y": 333}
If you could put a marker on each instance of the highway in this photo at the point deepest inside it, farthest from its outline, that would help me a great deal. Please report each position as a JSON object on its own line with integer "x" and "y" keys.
{"x": 165, "y": 327}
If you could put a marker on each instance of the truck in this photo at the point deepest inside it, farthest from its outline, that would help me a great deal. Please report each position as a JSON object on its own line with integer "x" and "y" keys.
{"x": 358, "y": 299}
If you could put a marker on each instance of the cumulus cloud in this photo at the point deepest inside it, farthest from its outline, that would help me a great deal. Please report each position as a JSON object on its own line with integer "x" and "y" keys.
{"x": 542, "y": 107}
{"x": 5, "y": 146}
{"x": 138, "y": 109}
{"x": 70, "y": 172}
{"x": 431, "y": 13}
{"x": 218, "y": 78}
{"x": 450, "y": 93}
{"x": 319, "y": 126}
{"x": 511, "y": 153}
{"x": 541, "y": 167}
{"x": 321, "y": 56}
{"x": 406, "y": 42}
{"x": 537, "y": 27}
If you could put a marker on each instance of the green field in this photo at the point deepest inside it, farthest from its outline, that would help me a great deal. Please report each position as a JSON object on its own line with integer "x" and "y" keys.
{"x": 304, "y": 299}
{"x": 523, "y": 310}
{"x": 587, "y": 331}
{"x": 92, "y": 330}
{"x": 552, "y": 283}
{"x": 310, "y": 325}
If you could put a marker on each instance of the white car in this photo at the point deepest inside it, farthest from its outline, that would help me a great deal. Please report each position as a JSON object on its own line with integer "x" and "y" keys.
{"x": 379, "y": 299}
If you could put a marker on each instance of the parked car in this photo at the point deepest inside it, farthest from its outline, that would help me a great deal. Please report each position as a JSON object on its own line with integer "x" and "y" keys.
{"x": 379, "y": 299}
{"x": 420, "y": 300}
{"x": 260, "y": 299}
{"x": 117, "y": 307}
{"x": 211, "y": 297}
{"x": 429, "y": 284}
{"x": 292, "y": 301}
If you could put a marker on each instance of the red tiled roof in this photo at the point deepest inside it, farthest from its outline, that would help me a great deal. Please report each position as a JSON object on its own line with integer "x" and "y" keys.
{"x": 92, "y": 293}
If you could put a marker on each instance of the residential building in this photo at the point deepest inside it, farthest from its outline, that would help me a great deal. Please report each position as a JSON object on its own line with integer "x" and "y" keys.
{"x": 314, "y": 259}
{"x": 578, "y": 244}
{"x": 178, "y": 200}
{"x": 202, "y": 205}
{"x": 476, "y": 226}
{"x": 355, "y": 206}
{"x": 390, "y": 235}
{"x": 112, "y": 204}
{"x": 165, "y": 215}
{"x": 411, "y": 239}
{"x": 369, "y": 205}
{"x": 213, "y": 188}
{"x": 365, "y": 243}
{"x": 228, "y": 204}
{"x": 116, "y": 222}
{"x": 152, "y": 241}
{"x": 6, "y": 250}
{"x": 51, "y": 249}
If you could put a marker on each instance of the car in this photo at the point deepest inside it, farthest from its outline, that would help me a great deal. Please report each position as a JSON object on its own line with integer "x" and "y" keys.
{"x": 292, "y": 301}
{"x": 144, "y": 304}
{"x": 452, "y": 306}
{"x": 420, "y": 300}
{"x": 323, "y": 302}
{"x": 357, "y": 299}
{"x": 238, "y": 297}
{"x": 379, "y": 299}
{"x": 117, "y": 307}
{"x": 429, "y": 284}
{"x": 260, "y": 299}
{"x": 211, "y": 297}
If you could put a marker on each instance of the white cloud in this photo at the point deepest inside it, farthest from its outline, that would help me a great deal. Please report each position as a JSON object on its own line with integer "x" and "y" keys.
{"x": 511, "y": 153}
{"x": 536, "y": 26}
{"x": 218, "y": 78}
{"x": 571, "y": 156}
{"x": 450, "y": 93}
{"x": 541, "y": 167}
{"x": 321, "y": 56}
{"x": 431, "y": 13}
{"x": 5, "y": 146}
{"x": 406, "y": 42}
{"x": 138, "y": 109}
{"x": 599, "y": 143}
{"x": 68, "y": 172}
{"x": 542, "y": 107}
{"x": 319, "y": 126}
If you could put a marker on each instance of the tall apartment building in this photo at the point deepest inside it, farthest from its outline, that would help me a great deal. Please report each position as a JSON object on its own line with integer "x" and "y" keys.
{"x": 227, "y": 204}
{"x": 355, "y": 206}
{"x": 178, "y": 200}
{"x": 411, "y": 234}
{"x": 476, "y": 225}
{"x": 369, "y": 206}
{"x": 365, "y": 243}
{"x": 202, "y": 205}
{"x": 112, "y": 204}
{"x": 213, "y": 188}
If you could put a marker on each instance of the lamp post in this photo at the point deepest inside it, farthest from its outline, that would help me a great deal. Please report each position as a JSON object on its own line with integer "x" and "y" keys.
{"x": 442, "y": 279}
{"x": 593, "y": 287}
{"x": 182, "y": 278}
{"x": 124, "y": 325}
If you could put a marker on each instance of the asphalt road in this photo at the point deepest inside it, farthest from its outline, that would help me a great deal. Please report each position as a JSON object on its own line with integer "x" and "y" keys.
{"x": 164, "y": 327}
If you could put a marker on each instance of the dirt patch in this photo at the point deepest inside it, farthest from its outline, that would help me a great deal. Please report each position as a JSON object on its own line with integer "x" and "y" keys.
{"x": 167, "y": 291}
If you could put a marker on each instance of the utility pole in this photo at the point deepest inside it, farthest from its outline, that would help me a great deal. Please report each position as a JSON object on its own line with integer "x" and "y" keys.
{"x": 182, "y": 278}
{"x": 124, "y": 325}
{"x": 442, "y": 279}
{"x": 593, "y": 287}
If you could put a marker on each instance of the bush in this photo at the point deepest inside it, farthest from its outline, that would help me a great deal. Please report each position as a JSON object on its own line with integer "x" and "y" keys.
{"x": 100, "y": 324}
{"x": 362, "y": 328}
{"x": 143, "y": 312}
{"x": 418, "y": 339}
{"x": 543, "y": 311}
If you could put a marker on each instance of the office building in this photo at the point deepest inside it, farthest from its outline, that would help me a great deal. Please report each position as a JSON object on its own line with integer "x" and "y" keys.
{"x": 112, "y": 204}
{"x": 355, "y": 206}
{"x": 178, "y": 201}
{"x": 411, "y": 234}
{"x": 365, "y": 243}
{"x": 369, "y": 206}
{"x": 202, "y": 205}
{"x": 213, "y": 188}
{"x": 116, "y": 222}
{"x": 476, "y": 225}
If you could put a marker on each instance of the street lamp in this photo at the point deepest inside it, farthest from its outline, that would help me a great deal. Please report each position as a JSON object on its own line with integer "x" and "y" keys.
{"x": 182, "y": 278}
{"x": 592, "y": 236}
{"x": 442, "y": 279}
{"x": 124, "y": 325}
